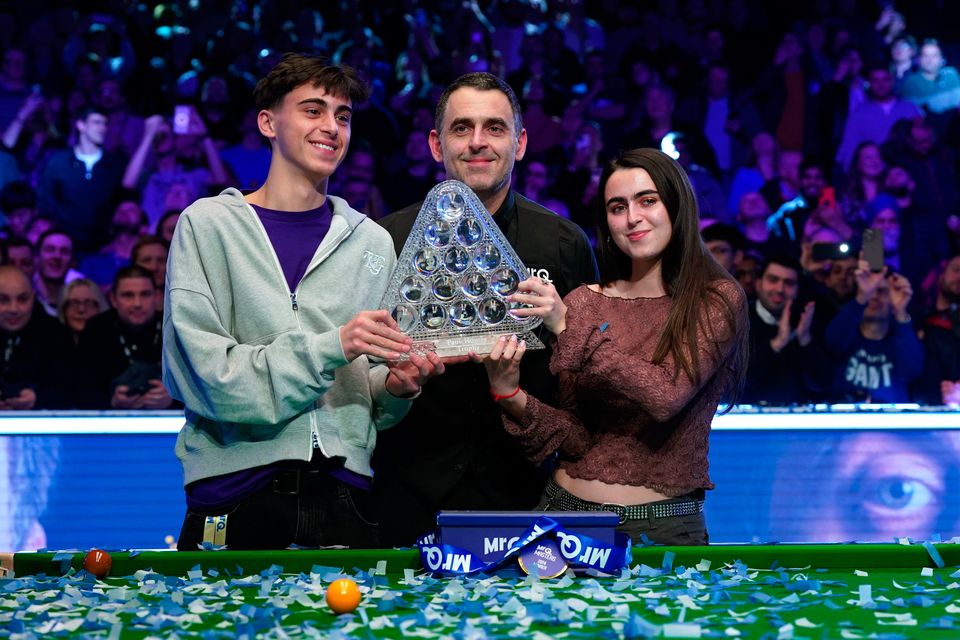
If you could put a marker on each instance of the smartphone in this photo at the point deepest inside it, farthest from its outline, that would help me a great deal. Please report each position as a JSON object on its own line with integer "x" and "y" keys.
{"x": 181, "y": 119}
{"x": 139, "y": 389}
{"x": 873, "y": 248}
{"x": 828, "y": 197}
{"x": 830, "y": 251}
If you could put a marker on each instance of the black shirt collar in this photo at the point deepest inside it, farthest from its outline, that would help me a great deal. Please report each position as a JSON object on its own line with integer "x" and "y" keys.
{"x": 506, "y": 213}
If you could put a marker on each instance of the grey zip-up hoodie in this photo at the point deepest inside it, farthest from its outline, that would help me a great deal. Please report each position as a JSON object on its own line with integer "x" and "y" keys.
{"x": 260, "y": 368}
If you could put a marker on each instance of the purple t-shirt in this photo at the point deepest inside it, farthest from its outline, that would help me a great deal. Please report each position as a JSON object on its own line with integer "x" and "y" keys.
{"x": 295, "y": 236}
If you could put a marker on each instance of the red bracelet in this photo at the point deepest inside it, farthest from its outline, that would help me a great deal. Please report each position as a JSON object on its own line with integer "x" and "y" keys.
{"x": 497, "y": 397}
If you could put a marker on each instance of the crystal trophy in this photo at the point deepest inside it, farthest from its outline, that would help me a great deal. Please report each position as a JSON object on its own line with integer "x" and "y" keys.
{"x": 448, "y": 291}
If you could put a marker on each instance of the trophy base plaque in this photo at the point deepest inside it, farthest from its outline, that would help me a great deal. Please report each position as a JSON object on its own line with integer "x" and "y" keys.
{"x": 481, "y": 344}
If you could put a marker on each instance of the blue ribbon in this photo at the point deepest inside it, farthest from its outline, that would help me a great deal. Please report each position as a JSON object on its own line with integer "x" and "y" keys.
{"x": 577, "y": 550}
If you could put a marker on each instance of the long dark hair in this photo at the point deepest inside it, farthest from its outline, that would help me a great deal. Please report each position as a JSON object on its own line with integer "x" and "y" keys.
{"x": 689, "y": 272}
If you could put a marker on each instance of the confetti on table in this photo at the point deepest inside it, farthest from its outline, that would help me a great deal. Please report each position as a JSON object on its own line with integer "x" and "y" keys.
{"x": 731, "y": 600}
{"x": 933, "y": 553}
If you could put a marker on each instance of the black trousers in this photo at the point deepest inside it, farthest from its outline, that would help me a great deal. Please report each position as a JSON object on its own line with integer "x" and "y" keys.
{"x": 671, "y": 531}
{"x": 303, "y": 507}
{"x": 405, "y": 514}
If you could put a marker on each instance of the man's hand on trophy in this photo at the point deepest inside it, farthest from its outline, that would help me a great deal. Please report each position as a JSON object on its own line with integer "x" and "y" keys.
{"x": 375, "y": 334}
{"x": 406, "y": 377}
{"x": 540, "y": 298}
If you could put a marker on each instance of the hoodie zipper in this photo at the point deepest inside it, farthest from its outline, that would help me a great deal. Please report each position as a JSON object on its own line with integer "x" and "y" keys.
{"x": 295, "y": 307}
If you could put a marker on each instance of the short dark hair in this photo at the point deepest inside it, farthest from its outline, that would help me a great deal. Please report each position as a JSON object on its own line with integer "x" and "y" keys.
{"x": 169, "y": 213}
{"x": 128, "y": 273}
{"x": 724, "y": 232}
{"x": 813, "y": 162}
{"x": 481, "y": 81}
{"x": 146, "y": 241}
{"x": 296, "y": 69}
{"x": 86, "y": 111}
{"x": 55, "y": 231}
{"x": 783, "y": 259}
{"x": 18, "y": 241}
{"x": 907, "y": 39}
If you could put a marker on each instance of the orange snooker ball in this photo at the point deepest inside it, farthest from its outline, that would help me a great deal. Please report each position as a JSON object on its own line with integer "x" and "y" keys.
{"x": 343, "y": 595}
{"x": 98, "y": 562}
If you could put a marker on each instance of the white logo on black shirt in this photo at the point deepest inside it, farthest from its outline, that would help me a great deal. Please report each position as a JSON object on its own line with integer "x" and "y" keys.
{"x": 541, "y": 273}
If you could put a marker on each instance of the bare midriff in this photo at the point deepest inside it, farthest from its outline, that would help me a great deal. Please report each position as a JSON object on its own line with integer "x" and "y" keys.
{"x": 596, "y": 491}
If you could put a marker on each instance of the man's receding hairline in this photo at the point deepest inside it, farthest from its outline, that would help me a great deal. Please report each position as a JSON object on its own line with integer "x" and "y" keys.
{"x": 512, "y": 119}
{"x": 15, "y": 271}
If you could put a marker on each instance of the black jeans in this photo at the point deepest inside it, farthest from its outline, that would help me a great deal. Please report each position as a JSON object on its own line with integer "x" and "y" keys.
{"x": 321, "y": 512}
{"x": 670, "y": 531}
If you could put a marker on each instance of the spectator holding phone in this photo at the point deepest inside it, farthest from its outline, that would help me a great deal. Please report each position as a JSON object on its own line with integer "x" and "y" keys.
{"x": 817, "y": 253}
{"x": 877, "y": 352}
{"x": 828, "y": 275}
{"x": 120, "y": 348}
{"x": 883, "y": 216}
{"x": 178, "y": 149}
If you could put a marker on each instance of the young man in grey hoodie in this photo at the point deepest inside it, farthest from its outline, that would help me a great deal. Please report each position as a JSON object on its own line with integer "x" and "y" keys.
{"x": 268, "y": 339}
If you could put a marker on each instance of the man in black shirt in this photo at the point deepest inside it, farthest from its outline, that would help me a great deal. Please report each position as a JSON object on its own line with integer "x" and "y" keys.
{"x": 120, "y": 348}
{"x": 784, "y": 357}
{"x": 36, "y": 350}
{"x": 451, "y": 451}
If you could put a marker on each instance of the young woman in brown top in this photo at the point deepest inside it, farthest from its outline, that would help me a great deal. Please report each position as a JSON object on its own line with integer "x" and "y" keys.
{"x": 636, "y": 402}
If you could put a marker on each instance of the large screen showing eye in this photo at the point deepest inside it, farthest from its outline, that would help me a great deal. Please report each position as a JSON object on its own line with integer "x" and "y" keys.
{"x": 827, "y": 475}
{"x": 834, "y": 485}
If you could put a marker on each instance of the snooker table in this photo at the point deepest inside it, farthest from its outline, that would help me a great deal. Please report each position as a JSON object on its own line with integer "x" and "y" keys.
{"x": 723, "y": 591}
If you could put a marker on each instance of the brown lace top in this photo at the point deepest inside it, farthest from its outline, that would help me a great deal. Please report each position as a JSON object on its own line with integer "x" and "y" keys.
{"x": 622, "y": 419}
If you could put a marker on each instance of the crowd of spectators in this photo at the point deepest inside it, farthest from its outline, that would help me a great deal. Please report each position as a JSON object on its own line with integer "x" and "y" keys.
{"x": 799, "y": 128}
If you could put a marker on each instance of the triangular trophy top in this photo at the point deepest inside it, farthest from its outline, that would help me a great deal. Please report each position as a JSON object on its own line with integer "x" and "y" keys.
{"x": 448, "y": 290}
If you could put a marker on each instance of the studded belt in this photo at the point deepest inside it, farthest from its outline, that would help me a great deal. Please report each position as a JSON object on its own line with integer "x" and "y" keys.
{"x": 562, "y": 500}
